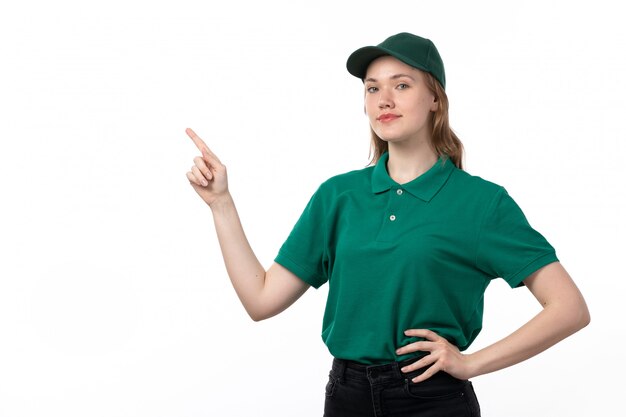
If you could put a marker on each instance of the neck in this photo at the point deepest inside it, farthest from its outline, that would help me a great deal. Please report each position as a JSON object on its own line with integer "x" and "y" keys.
{"x": 408, "y": 161}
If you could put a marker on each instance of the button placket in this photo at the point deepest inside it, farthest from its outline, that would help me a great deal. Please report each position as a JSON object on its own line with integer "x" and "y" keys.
{"x": 392, "y": 220}
{"x": 392, "y": 216}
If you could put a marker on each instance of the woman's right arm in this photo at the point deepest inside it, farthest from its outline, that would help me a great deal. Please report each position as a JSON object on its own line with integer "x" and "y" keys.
{"x": 262, "y": 293}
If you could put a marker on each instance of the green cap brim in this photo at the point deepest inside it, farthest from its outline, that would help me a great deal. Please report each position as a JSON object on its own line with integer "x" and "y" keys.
{"x": 360, "y": 60}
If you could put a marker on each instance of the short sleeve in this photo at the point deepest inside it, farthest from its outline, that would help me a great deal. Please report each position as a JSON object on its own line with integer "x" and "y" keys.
{"x": 304, "y": 251}
{"x": 508, "y": 246}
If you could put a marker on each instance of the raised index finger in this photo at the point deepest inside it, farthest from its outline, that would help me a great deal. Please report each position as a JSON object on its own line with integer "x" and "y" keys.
{"x": 208, "y": 156}
{"x": 196, "y": 139}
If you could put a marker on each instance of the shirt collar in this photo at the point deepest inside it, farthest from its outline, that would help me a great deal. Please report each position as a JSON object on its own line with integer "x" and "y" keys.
{"x": 424, "y": 187}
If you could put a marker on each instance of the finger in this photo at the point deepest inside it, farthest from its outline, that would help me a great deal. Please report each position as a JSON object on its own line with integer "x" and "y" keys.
{"x": 425, "y": 333}
{"x": 427, "y": 374}
{"x": 199, "y": 176}
{"x": 202, "y": 166}
{"x": 424, "y": 346}
{"x": 210, "y": 157}
{"x": 193, "y": 180}
{"x": 422, "y": 363}
{"x": 206, "y": 152}
{"x": 196, "y": 139}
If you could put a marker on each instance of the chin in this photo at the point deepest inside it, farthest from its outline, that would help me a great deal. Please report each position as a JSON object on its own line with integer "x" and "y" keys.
{"x": 391, "y": 139}
{"x": 386, "y": 138}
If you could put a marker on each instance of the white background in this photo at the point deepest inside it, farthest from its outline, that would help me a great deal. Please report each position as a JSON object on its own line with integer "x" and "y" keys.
{"x": 113, "y": 296}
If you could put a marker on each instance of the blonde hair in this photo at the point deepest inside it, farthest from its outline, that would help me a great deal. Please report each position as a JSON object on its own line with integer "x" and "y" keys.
{"x": 444, "y": 140}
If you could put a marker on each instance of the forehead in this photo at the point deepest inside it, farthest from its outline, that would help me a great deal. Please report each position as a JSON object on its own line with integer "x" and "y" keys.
{"x": 387, "y": 66}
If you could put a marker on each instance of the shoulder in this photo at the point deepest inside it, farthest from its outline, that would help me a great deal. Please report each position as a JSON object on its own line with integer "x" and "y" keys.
{"x": 474, "y": 183}
{"x": 474, "y": 189}
{"x": 346, "y": 182}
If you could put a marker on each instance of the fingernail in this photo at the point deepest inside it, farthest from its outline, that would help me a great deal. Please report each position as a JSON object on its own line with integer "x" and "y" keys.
{"x": 404, "y": 369}
{"x": 205, "y": 183}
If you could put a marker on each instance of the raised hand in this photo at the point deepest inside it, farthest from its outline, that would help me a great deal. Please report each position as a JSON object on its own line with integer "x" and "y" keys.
{"x": 208, "y": 175}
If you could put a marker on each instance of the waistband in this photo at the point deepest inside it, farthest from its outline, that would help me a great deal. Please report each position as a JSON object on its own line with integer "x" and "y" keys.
{"x": 392, "y": 370}
{"x": 389, "y": 373}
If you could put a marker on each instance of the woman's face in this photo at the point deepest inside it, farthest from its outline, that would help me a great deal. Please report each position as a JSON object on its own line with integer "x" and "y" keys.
{"x": 397, "y": 101}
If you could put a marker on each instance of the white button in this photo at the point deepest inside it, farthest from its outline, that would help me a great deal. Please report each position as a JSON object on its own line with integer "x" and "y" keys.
{"x": 399, "y": 192}
{"x": 392, "y": 217}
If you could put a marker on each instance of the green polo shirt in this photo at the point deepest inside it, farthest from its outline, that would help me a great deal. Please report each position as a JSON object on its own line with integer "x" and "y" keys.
{"x": 408, "y": 256}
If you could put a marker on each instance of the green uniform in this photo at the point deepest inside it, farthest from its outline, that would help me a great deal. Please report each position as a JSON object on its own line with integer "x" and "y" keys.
{"x": 413, "y": 256}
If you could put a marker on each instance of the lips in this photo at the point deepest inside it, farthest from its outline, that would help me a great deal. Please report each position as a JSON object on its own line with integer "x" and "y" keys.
{"x": 387, "y": 117}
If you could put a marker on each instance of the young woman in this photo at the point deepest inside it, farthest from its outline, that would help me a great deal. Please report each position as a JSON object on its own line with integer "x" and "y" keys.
{"x": 408, "y": 246}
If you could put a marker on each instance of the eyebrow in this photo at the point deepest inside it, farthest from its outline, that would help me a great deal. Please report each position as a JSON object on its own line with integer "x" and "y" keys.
{"x": 393, "y": 77}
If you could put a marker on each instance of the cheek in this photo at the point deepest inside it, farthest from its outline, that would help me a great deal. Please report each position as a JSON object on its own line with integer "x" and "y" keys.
{"x": 423, "y": 109}
{"x": 369, "y": 109}
{"x": 368, "y": 104}
{"x": 429, "y": 103}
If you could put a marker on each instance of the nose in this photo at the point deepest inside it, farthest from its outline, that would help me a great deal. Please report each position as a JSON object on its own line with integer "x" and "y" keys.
{"x": 385, "y": 99}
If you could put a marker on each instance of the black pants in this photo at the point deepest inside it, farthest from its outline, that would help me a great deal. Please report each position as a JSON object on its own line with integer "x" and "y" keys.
{"x": 357, "y": 390}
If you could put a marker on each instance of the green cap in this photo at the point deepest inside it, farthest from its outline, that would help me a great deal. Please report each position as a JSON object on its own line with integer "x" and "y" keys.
{"x": 413, "y": 50}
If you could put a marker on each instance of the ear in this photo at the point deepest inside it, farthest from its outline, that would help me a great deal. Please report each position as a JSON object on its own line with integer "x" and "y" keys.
{"x": 435, "y": 104}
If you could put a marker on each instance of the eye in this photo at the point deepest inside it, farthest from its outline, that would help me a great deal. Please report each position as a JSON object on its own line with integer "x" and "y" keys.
{"x": 402, "y": 86}
{"x": 371, "y": 89}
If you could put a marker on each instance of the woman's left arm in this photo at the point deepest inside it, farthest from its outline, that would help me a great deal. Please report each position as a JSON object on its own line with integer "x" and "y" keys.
{"x": 564, "y": 313}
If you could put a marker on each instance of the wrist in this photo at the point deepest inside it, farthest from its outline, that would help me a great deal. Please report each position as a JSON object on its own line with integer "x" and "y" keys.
{"x": 222, "y": 202}
{"x": 474, "y": 366}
